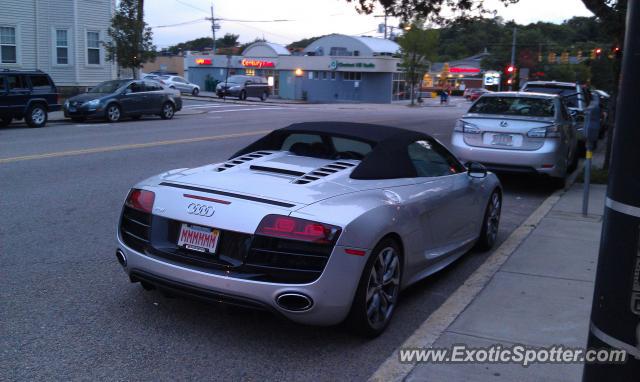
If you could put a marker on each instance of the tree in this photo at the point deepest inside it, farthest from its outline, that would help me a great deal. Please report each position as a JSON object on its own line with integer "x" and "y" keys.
{"x": 418, "y": 48}
{"x": 301, "y": 44}
{"x": 431, "y": 10}
{"x": 131, "y": 42}
{"x": 228, "y": 41}
{"x": 610, "y": 13}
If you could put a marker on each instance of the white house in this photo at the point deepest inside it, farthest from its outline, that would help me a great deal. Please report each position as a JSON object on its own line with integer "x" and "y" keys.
{"x": 61, "y": 37}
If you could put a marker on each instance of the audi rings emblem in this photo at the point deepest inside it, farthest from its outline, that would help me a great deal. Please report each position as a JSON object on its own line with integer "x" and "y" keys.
{"x": 200, "y": 210}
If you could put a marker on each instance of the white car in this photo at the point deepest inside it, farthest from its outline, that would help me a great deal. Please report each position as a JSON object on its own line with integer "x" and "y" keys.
{"x": 318, "y": 222}
{"x": 179, "y": 83}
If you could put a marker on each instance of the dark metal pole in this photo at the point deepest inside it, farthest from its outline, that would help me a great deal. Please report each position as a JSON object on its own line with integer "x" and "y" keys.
{"x": 513, "y": 58}
{"x": 615, "y": 314}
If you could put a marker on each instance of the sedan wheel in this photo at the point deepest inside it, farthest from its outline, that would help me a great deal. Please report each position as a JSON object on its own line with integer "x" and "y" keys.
{"x": 195, "y": 92}
{"x": 377, "y": 294}
{"x": 167, "y": 111}
{"x": 36, "y": 116}
{"x": 491, "y": 222}
{"x": 113, "y": 113}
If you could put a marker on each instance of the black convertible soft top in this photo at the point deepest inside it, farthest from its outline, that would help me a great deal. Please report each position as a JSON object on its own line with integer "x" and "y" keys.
{"x": 388, "y": 159}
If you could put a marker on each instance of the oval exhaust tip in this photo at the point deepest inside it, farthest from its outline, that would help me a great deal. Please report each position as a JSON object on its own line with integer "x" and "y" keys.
{"x": 122, "y": 259}
{"x": 294, "y": 302}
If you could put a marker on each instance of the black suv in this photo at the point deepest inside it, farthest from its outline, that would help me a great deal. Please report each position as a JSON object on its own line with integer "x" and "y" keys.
{"x": 27, "y": 94}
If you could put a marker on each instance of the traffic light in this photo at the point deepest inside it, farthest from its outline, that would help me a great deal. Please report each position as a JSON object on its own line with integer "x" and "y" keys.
{"x": 511, "y": 69}
{"x": 509, "y": 81}
{"x": 598, "y": 52}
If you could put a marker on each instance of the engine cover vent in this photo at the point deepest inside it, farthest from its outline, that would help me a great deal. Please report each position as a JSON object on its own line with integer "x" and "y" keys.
{"x": 242, "y": 159}
{"x": 323, "y": 171}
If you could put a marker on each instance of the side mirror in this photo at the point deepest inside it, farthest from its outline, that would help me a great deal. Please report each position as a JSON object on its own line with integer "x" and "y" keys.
{"x": 476, "y": 170}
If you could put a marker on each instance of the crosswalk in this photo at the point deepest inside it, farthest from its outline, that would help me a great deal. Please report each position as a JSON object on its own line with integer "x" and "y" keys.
{"x": 216, "y": 108}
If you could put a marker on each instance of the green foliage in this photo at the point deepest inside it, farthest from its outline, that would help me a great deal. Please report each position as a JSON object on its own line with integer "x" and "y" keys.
{"x": 229, "y": 40}
{"x": 131, "y": 42}
{"x": 301, "y": 44}
{"x": 418, "y": 48}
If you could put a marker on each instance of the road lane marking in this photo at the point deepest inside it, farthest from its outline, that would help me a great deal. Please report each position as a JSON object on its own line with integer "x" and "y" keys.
{"x": 130, "y": 146}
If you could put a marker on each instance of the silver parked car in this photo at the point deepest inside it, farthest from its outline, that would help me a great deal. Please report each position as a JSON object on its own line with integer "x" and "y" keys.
{"x": 518, "y": 132}
{"x": 318, "y": 222}
{"x": 179, "y": 83}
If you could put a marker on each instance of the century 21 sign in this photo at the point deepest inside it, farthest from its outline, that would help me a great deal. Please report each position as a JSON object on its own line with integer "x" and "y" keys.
{"x": 257, "y": 63}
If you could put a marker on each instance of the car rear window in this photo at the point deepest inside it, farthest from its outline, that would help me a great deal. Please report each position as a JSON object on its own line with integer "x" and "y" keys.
{"x": 16, "y": 82}
{"x": 569, "y": 94}
{"x": 40, "y": 82}
{"x": 524, "y": 106}
{"x": 318, "y": 146}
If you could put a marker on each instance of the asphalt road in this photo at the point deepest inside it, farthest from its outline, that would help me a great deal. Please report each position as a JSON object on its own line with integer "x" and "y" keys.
{"x": 67, "y": 310}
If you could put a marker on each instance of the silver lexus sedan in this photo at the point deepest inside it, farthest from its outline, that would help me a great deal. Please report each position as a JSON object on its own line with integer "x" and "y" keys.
{"x": 518, "y": 132}
{"x": 317, "y": 222}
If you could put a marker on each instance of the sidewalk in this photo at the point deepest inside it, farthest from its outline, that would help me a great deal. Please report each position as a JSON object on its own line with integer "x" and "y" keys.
{"x": 541, "y": 296}
{"x": 211, "y": 96}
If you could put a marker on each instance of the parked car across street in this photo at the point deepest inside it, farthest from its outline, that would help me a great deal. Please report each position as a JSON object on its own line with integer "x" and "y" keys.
{"x": 244, "y": 86}
{"x": 115, "y": 99}
{"x": 27, "y": 94}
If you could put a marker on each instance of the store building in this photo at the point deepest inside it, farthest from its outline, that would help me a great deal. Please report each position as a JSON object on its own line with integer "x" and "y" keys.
{"x": 334, "y": 68}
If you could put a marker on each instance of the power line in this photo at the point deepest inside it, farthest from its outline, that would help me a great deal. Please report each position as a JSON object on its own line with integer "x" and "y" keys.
{"x": 192, "y": 6}
{"x": 180, "y": 24}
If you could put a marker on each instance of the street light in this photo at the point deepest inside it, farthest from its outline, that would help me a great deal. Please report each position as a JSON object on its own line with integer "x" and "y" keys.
{"x": 299, "y": 72}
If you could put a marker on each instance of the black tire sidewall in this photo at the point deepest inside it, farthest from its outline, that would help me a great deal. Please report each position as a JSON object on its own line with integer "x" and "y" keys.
{"x": 357, "y": 319}
{"x": 483, "y": 243}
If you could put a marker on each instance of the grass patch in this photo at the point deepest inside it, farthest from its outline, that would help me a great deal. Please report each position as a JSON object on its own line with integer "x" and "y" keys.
{"x": 598, "y": 176}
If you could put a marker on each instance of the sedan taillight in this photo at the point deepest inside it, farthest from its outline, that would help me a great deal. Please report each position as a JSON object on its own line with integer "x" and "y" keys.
{"x": 141, "y": 200}
{"x": 297, "y": 229}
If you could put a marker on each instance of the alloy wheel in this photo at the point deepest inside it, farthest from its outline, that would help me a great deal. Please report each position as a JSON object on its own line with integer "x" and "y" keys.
{"x": 493, "y": 218}
{"x": 383, "y": 287}
{"x": 167, "y": 111}
{"x": 113, "y": 113}
{"x": 38, "y": 116}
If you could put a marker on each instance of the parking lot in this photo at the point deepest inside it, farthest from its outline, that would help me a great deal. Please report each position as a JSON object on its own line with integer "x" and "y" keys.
{"x": 68, "y": 310}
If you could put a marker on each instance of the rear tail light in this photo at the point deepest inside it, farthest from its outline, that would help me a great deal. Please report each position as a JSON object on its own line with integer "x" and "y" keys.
{"x": 297, "y": 229}
{"x": 140, "y": 200}
{"x": 466, "y": 127}
{"x": 551, "y": 131}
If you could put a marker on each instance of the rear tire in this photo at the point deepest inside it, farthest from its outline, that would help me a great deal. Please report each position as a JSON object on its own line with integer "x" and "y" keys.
{"x": 243, "y": 95}
{"x": 377, "y": 294}
{"x": 195, "y": 92}
{"x": 36, "y": 116}
{"x": 263, "y": 96}
{"x": 168, "y": 111}
{"x": 490, "y": 223}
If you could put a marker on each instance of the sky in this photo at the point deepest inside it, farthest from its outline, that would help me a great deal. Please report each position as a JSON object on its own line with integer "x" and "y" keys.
{"x": 308, "y": 18}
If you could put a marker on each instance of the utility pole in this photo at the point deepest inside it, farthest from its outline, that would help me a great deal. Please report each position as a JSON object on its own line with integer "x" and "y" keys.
{"x": 386, "y": 14}
{"x": 513, "y": 56}
{"x": 615, "y": 311}
{"x": 139, "y": 38}
{"x": 213, "y": 31}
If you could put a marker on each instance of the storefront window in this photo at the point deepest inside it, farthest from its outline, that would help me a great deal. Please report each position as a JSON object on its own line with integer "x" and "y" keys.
{"x": 400, "y": 88}
{"x": 250, "y": 72}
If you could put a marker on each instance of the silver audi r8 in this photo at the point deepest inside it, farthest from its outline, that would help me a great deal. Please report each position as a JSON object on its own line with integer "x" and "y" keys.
{"x": 318, "y": 222}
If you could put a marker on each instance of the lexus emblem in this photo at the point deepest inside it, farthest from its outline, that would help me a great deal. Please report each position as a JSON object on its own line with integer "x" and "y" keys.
{"x": 503, "y": 124}
{"x": 200, "y": 210}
